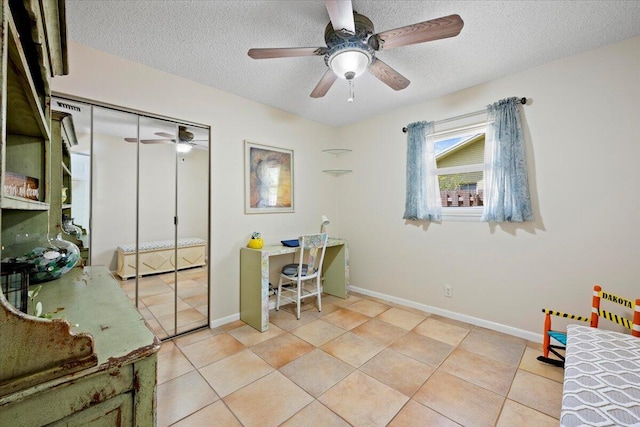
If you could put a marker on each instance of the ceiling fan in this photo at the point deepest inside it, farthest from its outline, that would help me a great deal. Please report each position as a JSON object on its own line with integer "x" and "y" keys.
{"x": 185, "y": 139}
{"x": 352, "y": 46}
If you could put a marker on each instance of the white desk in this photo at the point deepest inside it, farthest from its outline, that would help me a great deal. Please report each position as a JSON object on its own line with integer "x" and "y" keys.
{"x": 601, "y": 378}
{"x": 254, "y": 278}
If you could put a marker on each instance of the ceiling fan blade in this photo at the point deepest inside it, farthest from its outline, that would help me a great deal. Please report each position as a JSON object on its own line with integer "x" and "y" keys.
{"x": 324, "y": 84}
{"x": 435, "y": 29}
{"x": 341, "y": 15}
{"x": 157, "y": 141}
{"x": 286, "y": 52}
{"x": 150, "y": 141}
{"x": 165, "y": 135}
{"x": 388, "y": 75}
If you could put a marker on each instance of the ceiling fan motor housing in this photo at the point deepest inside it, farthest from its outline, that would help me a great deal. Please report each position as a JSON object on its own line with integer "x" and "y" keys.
{"x": 184, "y": 134}
{"x": 341, "y": 40}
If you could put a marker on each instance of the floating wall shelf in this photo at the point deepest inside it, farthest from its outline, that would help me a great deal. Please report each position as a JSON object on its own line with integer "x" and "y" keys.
{"x": 337, "y": 152}
{"x": 337, "y": 171}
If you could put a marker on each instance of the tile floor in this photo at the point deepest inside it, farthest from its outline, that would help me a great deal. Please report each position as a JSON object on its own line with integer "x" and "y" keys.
{"x": 157, "y": 304}
{"x": 361, "y": 362}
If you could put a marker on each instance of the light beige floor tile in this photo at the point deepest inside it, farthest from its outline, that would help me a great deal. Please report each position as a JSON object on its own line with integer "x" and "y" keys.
{"x": 204, "y": 310}
{"x": 363, "y": 401}
{"x": 352, "y": 348}
{"x": 532, "y": 364}
{"x": 212, "y": 349}
{"x": 316, "y": 371}
{"x": 315, "y": 415}
{"x": 196, "y": 301}
{"x": 156, "y": 327}
{"x": 234, "y": 372}
{"x": 195, "y": 273}
{"x": 183, "y": 396}
{"x": 441, "y": 331}
{"x": 216, "y": 414}
{"x": 185, "y": 340}
{"x": 172, "y": 364}
{"x": 479, "y": 370}
{"x": 500, "y": 335}
{"x": 326, "y": 309}
{"x": 152, "y": 288}
{"x": 128, "y": 286}
{"x": 191, "y": 289}
{"x": 282, "y": 349}
{"x": 232, "y": 325}
{"x": 146, "y": 313}
{"x": 269, "y": 401}
{"x": 398, "y": 371}
{"x": 380, "y": 300}
{"x": 287, "y": 320}
{"x": 454, "y": 322}
{"x": 189, "y": 327}
{"x": 318, "y": 332}
{"x": 515, "y": 414}
{"x": 168, "y": 278}
{"x": 368, "y": 307}
{"x": 182, "y": 318}
{"x": 416, "y": 415}
{"x": 542, "y": 394}
{"x": 249, "y": 336}
{"x": 459, "y": 400}
{"x": 494, "y": 346}
{"x": 168, "y": 308}
{"x": 158, "y": 299}
{"x": 424, "y": 349}
{"x": 166, "y": 347}
{"x": 351, "y": 298}
{"x": 401, "y": 318}
{"x": 377, "y": 330}
{"x": 345, "y": 318}
{"x": 413, "y": 310}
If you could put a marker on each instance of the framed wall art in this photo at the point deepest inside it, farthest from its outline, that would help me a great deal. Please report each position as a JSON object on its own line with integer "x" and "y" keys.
{"x": 268, "y": 179}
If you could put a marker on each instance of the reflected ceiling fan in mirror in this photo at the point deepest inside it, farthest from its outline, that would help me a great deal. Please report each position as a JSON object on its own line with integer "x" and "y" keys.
{"x": 185, "y": 139}
{"x": 352, "y": 46}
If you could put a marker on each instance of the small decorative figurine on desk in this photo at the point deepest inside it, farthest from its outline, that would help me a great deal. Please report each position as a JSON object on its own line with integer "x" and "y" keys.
{"x": 256, "y": 241}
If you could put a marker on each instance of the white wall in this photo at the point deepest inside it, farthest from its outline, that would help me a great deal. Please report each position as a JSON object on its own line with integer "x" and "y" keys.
{"x": 98, "y": 76}
{"x": 582, "y": 149}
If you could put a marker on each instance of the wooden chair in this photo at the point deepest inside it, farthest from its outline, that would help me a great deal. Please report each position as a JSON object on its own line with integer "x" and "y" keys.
{"x": 303, "y": 279}
{"x": 596, "y": 314}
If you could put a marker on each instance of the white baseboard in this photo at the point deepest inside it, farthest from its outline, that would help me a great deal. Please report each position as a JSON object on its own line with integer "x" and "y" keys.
{"x": 224, "y": 320}
{"x": 520, "y": 333}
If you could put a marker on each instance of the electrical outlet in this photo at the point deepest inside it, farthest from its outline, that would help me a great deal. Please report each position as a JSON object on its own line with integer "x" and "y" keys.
{"x": 448, "y": 291}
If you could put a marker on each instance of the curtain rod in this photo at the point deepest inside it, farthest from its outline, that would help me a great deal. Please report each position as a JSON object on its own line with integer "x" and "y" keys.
{"x": 522, "y": 101}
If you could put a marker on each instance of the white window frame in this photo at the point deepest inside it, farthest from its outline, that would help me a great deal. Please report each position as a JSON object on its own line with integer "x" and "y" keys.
{"x": 469, "y": 214}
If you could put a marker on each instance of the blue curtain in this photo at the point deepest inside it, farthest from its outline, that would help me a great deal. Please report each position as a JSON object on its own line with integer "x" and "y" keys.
{"x": 423, "y": 195}
{"x": 506, "y": 192}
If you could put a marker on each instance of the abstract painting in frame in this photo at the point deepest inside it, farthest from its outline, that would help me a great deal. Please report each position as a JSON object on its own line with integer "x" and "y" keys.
{"x": 268, "y": 179}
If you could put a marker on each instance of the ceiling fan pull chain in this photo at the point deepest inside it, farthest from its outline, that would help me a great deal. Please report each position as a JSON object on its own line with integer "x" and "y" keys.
{"x": 351, "y": 91}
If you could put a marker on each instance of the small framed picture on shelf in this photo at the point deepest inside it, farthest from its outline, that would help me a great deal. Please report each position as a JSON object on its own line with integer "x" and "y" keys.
{"x": 268, "y": 179}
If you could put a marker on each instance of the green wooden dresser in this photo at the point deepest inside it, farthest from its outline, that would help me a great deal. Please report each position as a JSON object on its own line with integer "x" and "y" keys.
{"x": 114, "y": 350}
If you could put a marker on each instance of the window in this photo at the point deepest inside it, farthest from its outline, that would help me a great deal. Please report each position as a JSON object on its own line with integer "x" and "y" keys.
{"x": 459, "y": 167}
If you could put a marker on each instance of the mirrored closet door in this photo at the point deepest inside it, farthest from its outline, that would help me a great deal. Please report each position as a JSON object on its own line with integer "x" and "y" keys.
{"x": 149, "y": 208}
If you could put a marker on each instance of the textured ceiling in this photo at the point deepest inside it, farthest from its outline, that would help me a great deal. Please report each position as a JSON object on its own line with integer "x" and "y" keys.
{"x": 207, "y": 41}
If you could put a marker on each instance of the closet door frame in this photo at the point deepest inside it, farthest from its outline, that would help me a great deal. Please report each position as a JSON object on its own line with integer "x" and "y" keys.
{"x": 177, "y": 122}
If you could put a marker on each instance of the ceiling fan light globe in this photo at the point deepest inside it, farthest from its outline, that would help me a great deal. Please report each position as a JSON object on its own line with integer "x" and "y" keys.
{"x": 183, "y": 148}
{"x": 349, "y": 64}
